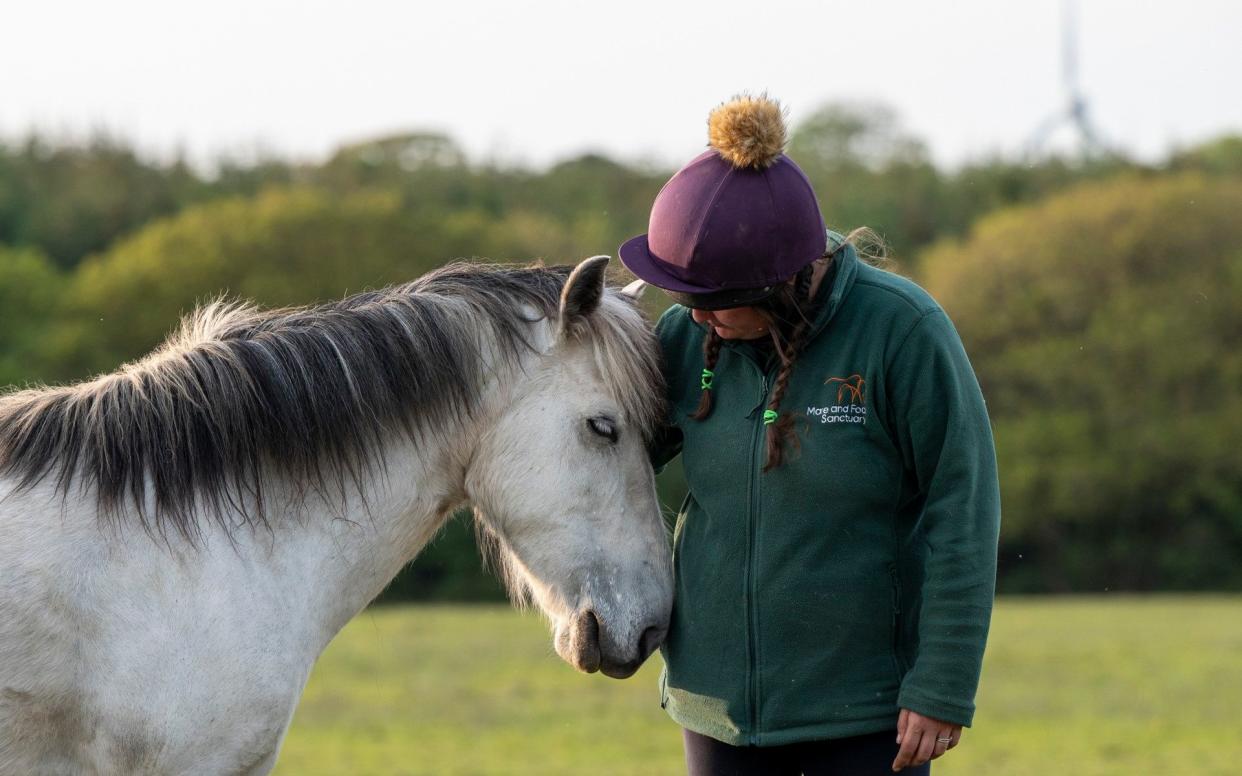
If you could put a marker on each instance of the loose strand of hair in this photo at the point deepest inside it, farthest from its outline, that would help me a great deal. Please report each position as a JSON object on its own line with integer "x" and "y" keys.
{"x": 870, "y": 246}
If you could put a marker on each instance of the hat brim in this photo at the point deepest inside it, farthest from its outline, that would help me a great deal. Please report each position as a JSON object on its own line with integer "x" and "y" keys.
{"x": 636, "y": 256}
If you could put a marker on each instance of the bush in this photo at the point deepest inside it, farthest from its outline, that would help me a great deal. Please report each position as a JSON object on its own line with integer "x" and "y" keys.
{"x": 285, "y": 246}
{"x": 1103, "y": 324}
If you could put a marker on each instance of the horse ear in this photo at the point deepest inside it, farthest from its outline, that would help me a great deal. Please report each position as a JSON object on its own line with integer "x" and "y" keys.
{"x": 635, "y": 290}
{"x": 583, "y": 291}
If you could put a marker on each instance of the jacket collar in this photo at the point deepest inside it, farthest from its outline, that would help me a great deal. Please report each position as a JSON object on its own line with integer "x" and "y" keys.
{"x": 837, "y": 284}
{"x": 842, "y": 275}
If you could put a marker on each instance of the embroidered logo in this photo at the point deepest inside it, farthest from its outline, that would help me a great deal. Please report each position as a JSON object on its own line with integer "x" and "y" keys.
{"x": 850, "y": 405}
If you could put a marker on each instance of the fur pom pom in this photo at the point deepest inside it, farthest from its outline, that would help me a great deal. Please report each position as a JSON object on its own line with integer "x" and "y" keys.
{"x": 748, "y": 131}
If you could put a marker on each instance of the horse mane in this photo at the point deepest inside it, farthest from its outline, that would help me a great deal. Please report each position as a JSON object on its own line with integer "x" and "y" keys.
{"x": 311, "y": 393}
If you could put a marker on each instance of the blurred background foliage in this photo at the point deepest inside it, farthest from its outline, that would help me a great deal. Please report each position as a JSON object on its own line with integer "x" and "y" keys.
{"x": 1098, "y": 298}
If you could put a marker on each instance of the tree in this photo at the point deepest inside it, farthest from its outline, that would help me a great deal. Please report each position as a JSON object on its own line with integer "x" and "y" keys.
{"x": 286, "y": 246}
{"x": 283, "y": 247}
{"x": 867, "y": 171}
{"x": 30, "y": 291}
{"x": 73, "y": 200}
{"x": 1103, "y": 324}
{"x": 840, "y": 137}
{"x": 1221, "y": 156}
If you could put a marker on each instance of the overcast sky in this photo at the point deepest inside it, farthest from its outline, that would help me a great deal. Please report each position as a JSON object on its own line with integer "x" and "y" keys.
{"x": 534, "y": 81}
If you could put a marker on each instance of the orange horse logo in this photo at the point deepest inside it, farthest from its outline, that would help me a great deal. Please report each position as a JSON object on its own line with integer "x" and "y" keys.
{"x": 855, "y": 385}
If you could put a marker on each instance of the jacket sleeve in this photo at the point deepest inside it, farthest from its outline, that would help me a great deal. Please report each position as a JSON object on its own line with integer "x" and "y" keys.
{"x": 664, "y": 447}
{"x": 942, "y": 428}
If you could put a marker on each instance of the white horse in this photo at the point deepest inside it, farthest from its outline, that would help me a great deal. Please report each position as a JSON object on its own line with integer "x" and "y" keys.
{"x": 180, "y": 540}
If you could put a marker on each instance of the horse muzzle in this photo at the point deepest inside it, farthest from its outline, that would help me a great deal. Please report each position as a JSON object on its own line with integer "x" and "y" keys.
{"x": 584, "y": 644}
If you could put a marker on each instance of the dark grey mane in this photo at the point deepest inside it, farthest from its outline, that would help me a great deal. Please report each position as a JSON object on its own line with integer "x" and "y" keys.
{"x": 308, "y": 393}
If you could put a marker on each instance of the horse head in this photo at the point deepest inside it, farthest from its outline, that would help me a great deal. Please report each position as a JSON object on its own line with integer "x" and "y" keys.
{"x": 562, "y": 483}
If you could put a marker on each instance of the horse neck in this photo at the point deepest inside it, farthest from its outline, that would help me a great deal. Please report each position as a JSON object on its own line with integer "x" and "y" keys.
{"x": 348, "y": 551}
{"x": 342, "y": 553}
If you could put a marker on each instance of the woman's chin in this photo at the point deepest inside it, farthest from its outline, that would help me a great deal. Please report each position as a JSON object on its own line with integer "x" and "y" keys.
{"x": 735, "y": 334}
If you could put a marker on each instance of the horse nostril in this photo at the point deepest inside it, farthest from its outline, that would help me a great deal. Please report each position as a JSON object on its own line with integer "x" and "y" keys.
{"x": 585, "y": 645}
{"x": 649, "y": 641}
{"x": 590, "y": 622}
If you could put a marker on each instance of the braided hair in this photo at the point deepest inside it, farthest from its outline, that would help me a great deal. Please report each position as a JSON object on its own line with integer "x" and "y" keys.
{"x": 711, "y": 352}
{"x": 789, "y": 313}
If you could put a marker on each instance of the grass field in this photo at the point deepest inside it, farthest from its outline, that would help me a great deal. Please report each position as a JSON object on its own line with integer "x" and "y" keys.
{"x": 1071, "y": 686}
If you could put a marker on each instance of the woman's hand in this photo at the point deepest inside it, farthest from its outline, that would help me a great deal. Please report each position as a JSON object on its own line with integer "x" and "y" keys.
{"x": 917, "y": 735}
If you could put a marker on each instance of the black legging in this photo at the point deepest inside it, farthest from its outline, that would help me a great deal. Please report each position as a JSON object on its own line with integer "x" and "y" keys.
{"x": 867, "y": 755}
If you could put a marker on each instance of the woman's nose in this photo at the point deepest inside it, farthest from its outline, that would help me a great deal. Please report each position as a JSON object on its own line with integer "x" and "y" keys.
{"x": 701, "y": 316}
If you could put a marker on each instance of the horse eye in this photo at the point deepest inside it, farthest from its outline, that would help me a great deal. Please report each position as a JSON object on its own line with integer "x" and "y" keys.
{"x": 603, "y": 427}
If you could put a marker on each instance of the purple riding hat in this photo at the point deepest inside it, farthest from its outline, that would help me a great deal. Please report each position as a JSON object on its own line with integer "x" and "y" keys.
{"x": 737, "y": 221}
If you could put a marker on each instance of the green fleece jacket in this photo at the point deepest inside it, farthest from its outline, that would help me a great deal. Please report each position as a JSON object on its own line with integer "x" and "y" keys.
{"x": 818, "y": 599}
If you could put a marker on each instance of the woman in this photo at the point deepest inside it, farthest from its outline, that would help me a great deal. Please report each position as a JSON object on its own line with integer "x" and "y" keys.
{"x": 836, "y": 554}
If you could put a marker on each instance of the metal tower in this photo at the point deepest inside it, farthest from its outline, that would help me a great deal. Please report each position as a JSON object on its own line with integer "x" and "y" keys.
{"x": 1075, "y": 113}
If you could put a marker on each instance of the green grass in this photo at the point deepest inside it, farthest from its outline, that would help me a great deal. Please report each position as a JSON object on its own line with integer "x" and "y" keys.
{"x": 1071, "y": 686}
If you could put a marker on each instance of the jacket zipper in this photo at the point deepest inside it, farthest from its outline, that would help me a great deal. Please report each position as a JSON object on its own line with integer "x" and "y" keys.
{"x": 751, "y": 549}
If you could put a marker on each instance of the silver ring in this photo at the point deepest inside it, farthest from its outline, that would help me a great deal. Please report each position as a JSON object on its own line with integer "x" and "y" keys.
{"x": 944, "y": 740}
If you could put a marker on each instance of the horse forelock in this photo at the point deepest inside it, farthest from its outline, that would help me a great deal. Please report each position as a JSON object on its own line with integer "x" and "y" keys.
{"x": 627, "y": 357}
{"x": 310, "y": 393}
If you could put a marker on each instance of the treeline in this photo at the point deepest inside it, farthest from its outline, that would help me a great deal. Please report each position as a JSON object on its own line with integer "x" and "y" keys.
{"x": 1097, "y": 299}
